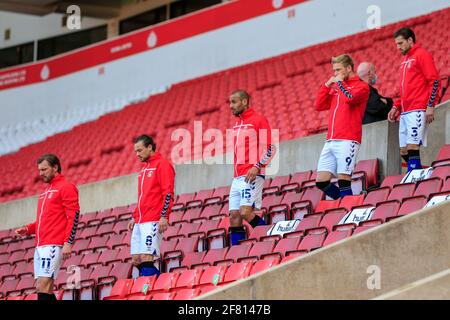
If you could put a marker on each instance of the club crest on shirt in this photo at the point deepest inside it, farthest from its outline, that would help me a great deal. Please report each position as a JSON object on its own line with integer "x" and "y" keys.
{"x": 149, "y": 174}
{"x": 50, "y": 195}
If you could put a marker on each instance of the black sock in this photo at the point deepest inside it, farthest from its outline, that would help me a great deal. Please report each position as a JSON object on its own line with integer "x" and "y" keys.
{"x": 257, "y": 221}
{"x": 405, "y": 157}
{"x": 329, "y": 189}
{"x": 345, "y": 187}
{"x": 46, "y": 296}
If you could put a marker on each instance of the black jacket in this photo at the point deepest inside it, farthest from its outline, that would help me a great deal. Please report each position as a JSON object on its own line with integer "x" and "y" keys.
{"x": 376, "y": 110}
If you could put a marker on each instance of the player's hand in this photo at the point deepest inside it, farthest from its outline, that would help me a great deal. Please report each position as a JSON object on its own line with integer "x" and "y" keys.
{"x": 251, "y": 174}
{"x": 163, "y": 224}
{"x": 331, "y": 81}
{"x": 392, "y": 115}
{"x": 130, "y": 225}
{"x": 430, "y": 114}
{"x": 21, "y": 232}
{"x": 339, "y": 77}
{"x": 66, "y": 251}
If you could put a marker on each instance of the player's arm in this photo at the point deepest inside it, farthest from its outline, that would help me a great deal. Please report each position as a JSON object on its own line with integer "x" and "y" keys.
{"x": 355, "y": 95}
{"x": 433, "y": 84}
{"x": 27, "y": 230}
{"x": 432, "y": 76}
{"x": 268, "y": 151}
{"x": 324, "y": 97}
{"x": 166, "y": 179}
{"x": 70, "y": 203}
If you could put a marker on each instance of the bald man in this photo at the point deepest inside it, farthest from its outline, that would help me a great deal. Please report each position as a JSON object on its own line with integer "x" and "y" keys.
{"x": 378, "y": 107}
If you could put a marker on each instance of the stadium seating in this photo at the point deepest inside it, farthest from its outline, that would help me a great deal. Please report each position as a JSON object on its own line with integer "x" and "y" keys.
{"x": 289, "y": 77}
{"x": 195, "y": 248}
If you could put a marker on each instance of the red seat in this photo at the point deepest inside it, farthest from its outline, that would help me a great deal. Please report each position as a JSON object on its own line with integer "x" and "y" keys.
{"x": 185, "y": 197}
{"x": 163, "y": 296}
{"x": 120, "y": 226}
{"x": 16, "y": 256}
{"x": 348, "y": 202}
{"x": 204, "y": 194}
{"x": 310, "y": 199}
{"x": 24, "y": 283}
{"x": 120, "y": 290}
{"x": 6, "y": 270}
{"x": 176, "y": 217}
{"x": 213, "y": 255}
{"x": 386, "y": 210}
{"x": 105, "y": 228}
{"x": 291, "y": 197}
{"x": 443, "y": 155}
{"x": 412, "y": 204}
{"x": 192, "y": 258}
{"x": 376, "y": 196}
{"x": 108, "y": 256}
{"x": 327, "y": 205}
{"x": 285, "y": 245}
{"x": 188, "y": 228}
{"x": 332, "y": 218}
{"x": 9, "y": 285}
{"x": 221, "y": 192}
{"x": 233, "y": 254}
{"x": 88, "y": 232}
{"x": 172, "y": 259}
{"x": 165, "y": 282}
{"x": 446, "y": 186}
{"x": 212, "y": 210}
{"x": 192, "y": 214}
{"x": 98, "y": 242}
{"x": 186, "y": 294}
{"x": 370, "y": 170}
{"x": 427, "y": 187}
{"x": 309, "y": 221}
{"x": 300, "y": 177}
{"x": 279, "y": 181}
{"x": 90, "y": 259}
{"x": 339, "y": 233}
{"x": 237, "y": 271}
{"x": 271, "y": 200}
{"x": 441, "y": 172}
{"x": 402, "y": 191}
{"x": 262, "y": 265}
{"x": 142, "y": 286}
{"x": 313, "y": 239}
{"x": 189, "y": 278}
{"x": 258, "y": 250}
{"x": 171, "y": 231}
{"x": 259, "y": 231}
{"x": 390, "y": 181}
{"x": 212, "y": 275}
{"x": 366, "y": 225}
{"x": 115, "y": 240}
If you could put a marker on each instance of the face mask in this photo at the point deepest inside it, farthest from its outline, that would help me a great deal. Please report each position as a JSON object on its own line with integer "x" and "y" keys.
{"x": 374, "y": 80}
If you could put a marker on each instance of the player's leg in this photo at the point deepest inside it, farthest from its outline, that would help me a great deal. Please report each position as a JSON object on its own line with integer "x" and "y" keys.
{"x": 47, "y": 264}
{"x": 326, "y": 169}
{"x": 251, "y": 198}
{"x": 417, "y": 136}
{"x": 346, "y": 152}
{"x": 149, "y": 249}
{"x": 402, "y": 135}
{"x": 236, "y": 231}
{"x": 44, "y": 288}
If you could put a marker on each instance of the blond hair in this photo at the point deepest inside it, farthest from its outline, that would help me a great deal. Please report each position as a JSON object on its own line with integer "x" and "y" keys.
{"x": 345, "y": 59}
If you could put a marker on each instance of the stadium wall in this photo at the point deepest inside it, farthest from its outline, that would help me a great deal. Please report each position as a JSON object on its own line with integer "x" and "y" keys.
{"x": 380, "y": 140}
{"x": 361, "y": 267}
{"x": 33, "y": 91}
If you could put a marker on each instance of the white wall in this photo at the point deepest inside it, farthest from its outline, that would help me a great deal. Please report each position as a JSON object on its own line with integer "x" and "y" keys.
{"x": 27, "y": 28}
{"x": 315, "y": 21}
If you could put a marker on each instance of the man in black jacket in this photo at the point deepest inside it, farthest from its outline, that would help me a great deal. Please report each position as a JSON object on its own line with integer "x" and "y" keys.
{"x": 378, "y": 106}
